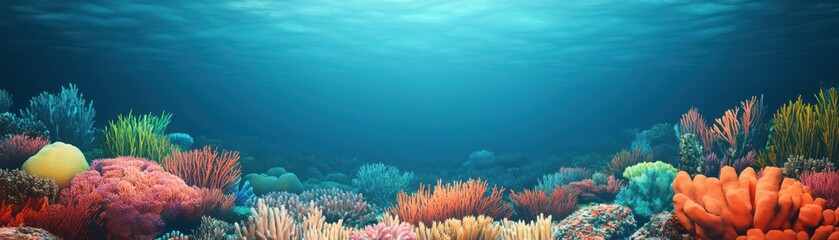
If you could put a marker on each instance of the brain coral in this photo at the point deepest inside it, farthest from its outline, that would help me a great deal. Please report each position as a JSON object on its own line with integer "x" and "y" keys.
{"x": 136, "y": 195}
{"x": 58, "y": 161}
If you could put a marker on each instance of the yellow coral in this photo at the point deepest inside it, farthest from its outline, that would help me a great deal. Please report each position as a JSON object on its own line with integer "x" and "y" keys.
{"x": 58, "y": 161}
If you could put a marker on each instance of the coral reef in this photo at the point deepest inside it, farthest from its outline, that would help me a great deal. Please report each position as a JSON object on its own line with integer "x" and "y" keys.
{"x": 383, "y": 231}
{"x": 805, "y": 129}
{"x": 530, "y": 204}
{"x": 58, "y": 161}
{"x": 10, "y": 124}
{"x": 276, "y": 223}
{"x": 17, "y": 186}
{"x": 797, "y": 165}
{"x": 213, "y": 229}
{"x": 713, "y": 164}
{"x": 602, "y": 221}
{"x": 205, "y": 168}
{"x": 694, "y": 123}
{"x": 564, "y": 176}
{"x": 824, "y": 185}
{"x": 470, "y": 227}
{"x": 67, "y": 115}
{"x": 454, "y": 200}
{"x": 649, "y": 189}
{"x": 624, "y": 159}
{"x": 136, "y": 196}
{"x": 337, "y": 205}
{"x": 141, "y": 137}
{"x": 244, "y": 193}
{"x": 16, "y": 149}
{"x": 750, "y": 205}
{"x": 380, "y": 183}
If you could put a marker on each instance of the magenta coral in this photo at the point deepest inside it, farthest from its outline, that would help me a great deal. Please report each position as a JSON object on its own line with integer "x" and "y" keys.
{"x": 824, "y": 185}
{"x": 135, "y": 194}
{"x": 403, "y": 231}
{"x": 18, "y": 148}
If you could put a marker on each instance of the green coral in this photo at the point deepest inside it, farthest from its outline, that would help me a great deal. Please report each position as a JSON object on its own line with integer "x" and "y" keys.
{"x": 649, "y": 189}
{"x": 690, "y": 151}
{"x": 141, "y": 136}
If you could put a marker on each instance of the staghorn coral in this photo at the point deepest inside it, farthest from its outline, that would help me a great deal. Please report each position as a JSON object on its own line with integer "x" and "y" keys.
{"x": 824, "y": 185}
{"x": 16, "y": 149}
{"x": 337, "y": 205}
{"x": 67, "y": 115}
{"x": 588, "y": 191}
{"x": 624, "y": 159}
{"x": 380, "y": 183}
{"x": 205, "y": 168}
{"x": 564, "y": 176}
{"x": 454, "y": 200}
{"x": 532, "y": 204}
{"x": 601, "y": 221}
{"x": 381, "y": 231}
{"x": 797, "y": 165}
{"x": 468, "y": 228}
{"x": 136, "y": 196}
{"x": 140, "y": 137}
{"x": 764, "y": 206}
{"x": 17, "y": 186}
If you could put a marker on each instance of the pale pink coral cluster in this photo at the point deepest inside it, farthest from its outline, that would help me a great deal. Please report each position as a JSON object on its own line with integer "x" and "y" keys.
{"x": 136, "y": 196}
{"x": 403, "y": 231}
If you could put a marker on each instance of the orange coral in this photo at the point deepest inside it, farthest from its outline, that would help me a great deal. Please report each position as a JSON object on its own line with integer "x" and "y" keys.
{"x": 624, "y": 159}
{"x": 531, "y": 204}
{"x": 746, "y": 206}
{"x": 205, "y": 167}
{"x": 455, "y": 200}
{"x": 211, "y": 202}
{"x": 694, "y": 122}
{"x": 728, "y": 127}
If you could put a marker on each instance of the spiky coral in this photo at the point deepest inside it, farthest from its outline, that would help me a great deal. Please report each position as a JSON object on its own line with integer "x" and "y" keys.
{"x": 381, "y": 231}
{"x": 17, "y": 186}
{"x": 277, "y": 224}
{"x": 16, "y": 149}
{"x": 455, "y": 200}
{"x": 530, "y": 204}
{"x": 804, "y": 129}
{"x": 694, "y": 123}
{"x": 140, "y": 137}
{"x": 380, "y": 183}
{"x": 10, "y": 125}
{"x": 205, "y": 168}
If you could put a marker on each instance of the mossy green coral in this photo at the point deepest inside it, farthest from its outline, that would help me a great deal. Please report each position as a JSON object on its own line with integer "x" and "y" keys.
{"x": 141, "y": 137}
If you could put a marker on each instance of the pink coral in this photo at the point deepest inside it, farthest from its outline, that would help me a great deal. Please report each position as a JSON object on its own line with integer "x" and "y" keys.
{"x": 136, "y": 196}
{"x": 18, "y": 148}
{"x": 403, "y": 231}
{"x": 824, "y": 185}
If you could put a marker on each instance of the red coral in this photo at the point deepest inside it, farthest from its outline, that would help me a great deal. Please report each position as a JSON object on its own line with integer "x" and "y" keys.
{"x": 13, "y": 215}
{"x": 18, "y": 148}
{"x": 68, "y": 222}
{"x": 531, "y": 203}
{"x": 135, "y": 195}
{"x": 824, "y": 185}
{"x": 587, "y": 191}
{"x": 205, "y": 167}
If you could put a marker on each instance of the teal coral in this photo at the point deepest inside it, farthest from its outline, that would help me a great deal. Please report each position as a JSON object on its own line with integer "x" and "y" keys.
{"x": 380, "y": 183}
{"x": 5, "y": 100}
{"x": 649, "y": 189}
{"x": 67, "y": 115}
{"x": 565, "y": 176}
{"x": 263, "y": 184}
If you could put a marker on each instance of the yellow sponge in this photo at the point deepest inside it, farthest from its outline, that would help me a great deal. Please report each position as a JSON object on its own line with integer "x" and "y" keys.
{"x": 58, "y": 161}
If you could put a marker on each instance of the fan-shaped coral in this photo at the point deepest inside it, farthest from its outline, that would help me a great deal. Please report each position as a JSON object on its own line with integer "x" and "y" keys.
{"x": 205, "y": 168}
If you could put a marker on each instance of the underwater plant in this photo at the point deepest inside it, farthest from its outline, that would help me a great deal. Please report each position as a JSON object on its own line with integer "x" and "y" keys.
{"x": 558, "y": 203}
{"x": 11, "y": 124}
{"x": 380, "y": 183}
{"x": 5, "y": 100}
{"x": 15, "y": 150}
{"x": 470, "y": 227}
{"x": 649, "y": 189}
{"x": 205, "y": 168}
{"x": 805, "y": 129}
{"x": 757, "y": 206}
{"x": 624, "y": 159}
{"x": 140, "y": 137}
{"x": 713, "y": 164}
{"x": 67, "y": 115}
{"x": 453, "y": 200}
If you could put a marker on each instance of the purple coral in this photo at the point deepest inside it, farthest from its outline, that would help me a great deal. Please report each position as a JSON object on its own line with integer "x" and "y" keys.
{"x": 403, "y": 231}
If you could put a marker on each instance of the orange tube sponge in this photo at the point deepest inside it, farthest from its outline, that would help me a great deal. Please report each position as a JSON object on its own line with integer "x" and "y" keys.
{"x": 751, "y": 206}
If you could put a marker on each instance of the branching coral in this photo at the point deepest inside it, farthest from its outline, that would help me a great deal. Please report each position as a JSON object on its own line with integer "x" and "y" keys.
{"x": 16, "y": 149}
{"x": 804, "y": 129}
{"x": 212, "y": 229}
{"x": 138, "y": 137}
{"x": 10, "y": 125}
{"x": 824, "y": 185}
{"x": 531, "y": 204}
{"x": 380, "y": 183}
{"x": 337, "y": 205}
{"x": 624, "y": 159}
{"x": 649, "y": 189}
{"x": 277, "y": 224}
{"x": 381, "y": 231}
{"x": 455, "y": 200}
{"x": 694, "y": 123}
{"x": 67, "y": 115}
{"x": 542, "y": 228}
{"x": 17, "y": 186}
{"x": 205, "y": 168}
{"x": 764, "y": 206}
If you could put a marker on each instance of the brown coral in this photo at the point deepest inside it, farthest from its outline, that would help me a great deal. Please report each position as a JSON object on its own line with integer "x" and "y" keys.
{"x": 17, "y": 186}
